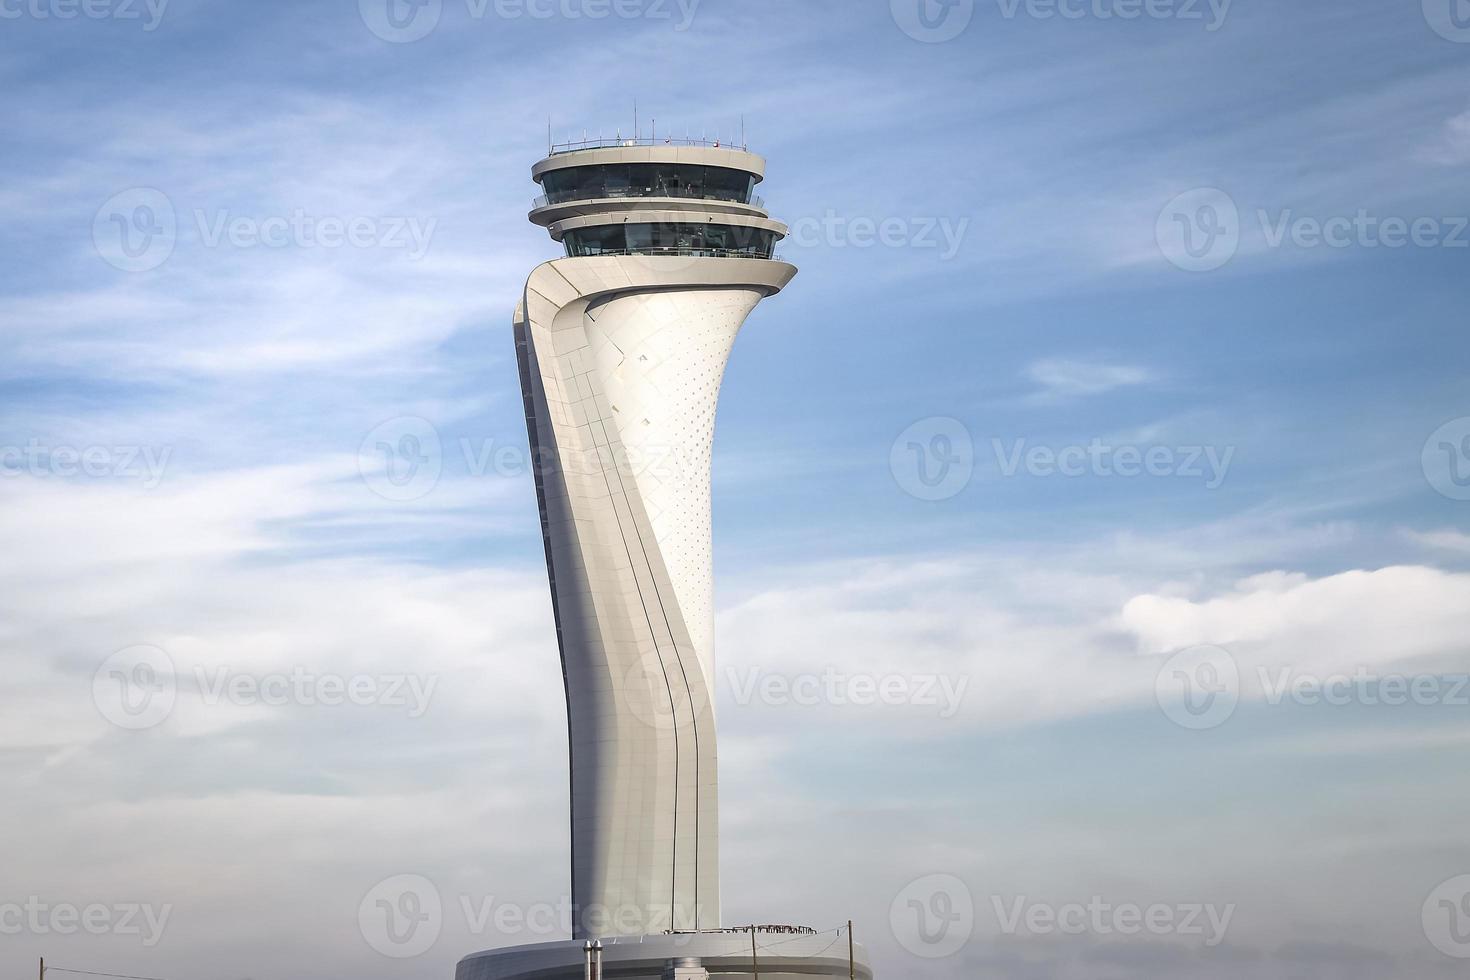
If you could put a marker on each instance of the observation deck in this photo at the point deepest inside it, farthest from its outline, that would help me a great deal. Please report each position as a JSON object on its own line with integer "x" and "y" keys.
{"x": 655, "y": 197}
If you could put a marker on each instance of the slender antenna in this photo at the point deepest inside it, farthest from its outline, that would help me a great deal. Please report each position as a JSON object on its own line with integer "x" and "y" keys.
{"x": 743, "y": 145}
{"x": 635, "y": 120}
{"x": 549, "y": 142}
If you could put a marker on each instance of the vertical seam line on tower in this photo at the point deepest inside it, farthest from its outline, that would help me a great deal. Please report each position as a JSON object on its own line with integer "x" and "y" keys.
{"x": 663, "y": 668}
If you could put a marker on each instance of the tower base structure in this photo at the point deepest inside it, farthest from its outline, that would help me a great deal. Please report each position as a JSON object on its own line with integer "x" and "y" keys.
{"x": 778, "y": 955}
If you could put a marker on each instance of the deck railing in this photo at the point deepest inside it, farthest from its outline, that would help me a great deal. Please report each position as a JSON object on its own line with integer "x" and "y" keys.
{"x": 612, "y": 142}
{"x": 619, "y": 194}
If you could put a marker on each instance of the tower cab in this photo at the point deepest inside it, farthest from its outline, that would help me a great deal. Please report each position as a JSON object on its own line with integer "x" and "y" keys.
{"x": 647, "y": 197}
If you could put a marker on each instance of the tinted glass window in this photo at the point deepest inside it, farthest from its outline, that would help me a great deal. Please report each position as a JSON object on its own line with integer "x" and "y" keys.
{"x": 648, "y": 180}
{"x": 680, "y": 238}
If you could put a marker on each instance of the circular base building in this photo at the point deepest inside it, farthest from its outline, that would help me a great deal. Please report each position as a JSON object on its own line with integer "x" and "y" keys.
{"x": 779, "y": 953}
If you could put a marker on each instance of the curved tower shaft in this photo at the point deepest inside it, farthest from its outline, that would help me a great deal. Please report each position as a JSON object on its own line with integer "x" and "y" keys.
{"x": 622, "y": 347}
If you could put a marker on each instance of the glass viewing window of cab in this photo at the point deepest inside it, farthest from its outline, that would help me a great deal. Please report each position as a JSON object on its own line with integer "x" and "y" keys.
{"x": 620, "y": 180}
{"x": 675, "y": 239}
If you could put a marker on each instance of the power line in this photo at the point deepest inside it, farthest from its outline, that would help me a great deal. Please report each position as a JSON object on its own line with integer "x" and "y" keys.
{"x": 89, "y": 973}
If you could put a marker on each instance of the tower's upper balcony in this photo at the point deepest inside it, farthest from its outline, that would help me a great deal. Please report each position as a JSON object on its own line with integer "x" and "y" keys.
{"x": 604, "y": 177}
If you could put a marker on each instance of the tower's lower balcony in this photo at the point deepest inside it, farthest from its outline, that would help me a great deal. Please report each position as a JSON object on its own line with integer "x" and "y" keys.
{"x": 698, "y": 239}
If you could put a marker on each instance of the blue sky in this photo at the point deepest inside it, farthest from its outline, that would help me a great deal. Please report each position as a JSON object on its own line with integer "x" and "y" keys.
{"x": 1048, "y": 184}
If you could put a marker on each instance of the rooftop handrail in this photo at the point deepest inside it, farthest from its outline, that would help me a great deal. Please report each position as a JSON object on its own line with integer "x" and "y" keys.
{"x": 612, "y": 142}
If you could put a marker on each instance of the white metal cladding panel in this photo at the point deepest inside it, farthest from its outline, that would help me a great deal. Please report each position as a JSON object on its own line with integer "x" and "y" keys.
{"x": 622, "y": 393}
{"x": 662, "y": 358}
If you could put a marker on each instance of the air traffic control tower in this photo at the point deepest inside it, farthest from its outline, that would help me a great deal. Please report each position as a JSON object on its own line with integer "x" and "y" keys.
{"x": 622, "y": 347}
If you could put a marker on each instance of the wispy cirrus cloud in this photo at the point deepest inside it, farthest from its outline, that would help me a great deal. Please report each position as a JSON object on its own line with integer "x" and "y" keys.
{"x": 1063, "y": 379}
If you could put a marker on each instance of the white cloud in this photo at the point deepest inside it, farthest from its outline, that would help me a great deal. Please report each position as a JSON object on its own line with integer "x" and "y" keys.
{"x": 1451, "y": 147}
{"x": 1061, "y": 378}
{"x": 1356, "y": 618}
{"x": 471, "y": 793}
{"x": 1442, "y": 539}
{"x": 1029, "y": 642}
